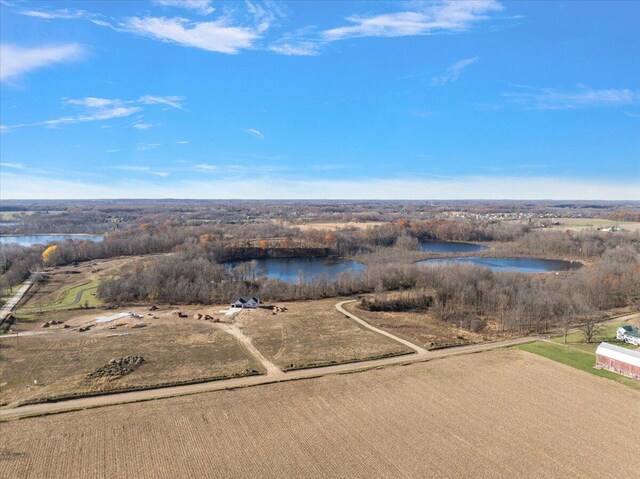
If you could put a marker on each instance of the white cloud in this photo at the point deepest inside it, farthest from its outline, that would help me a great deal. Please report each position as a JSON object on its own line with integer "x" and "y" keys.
{"x": 216, "y": 36}
{"x": 172, "y": 101}
{"x": 148, "y": 146}
{"x": 18, "y": 166}
{"x": 93, "y": 102}
{"x": 205, "y": 167}
{"x": 182, "y": 142}
{"x": 142, "y": 169}
{"x": 27, "y": 186}
{"x": 16, "y": 61}
{"x": 453, "y": 72}
{"x": 62, "y": 14}
{"x": 203, "y": 7}
{"x": 307, "y": 48}
{"x": 256, "y": 133}
{"x": 584, "y": 97}
{"x": 101, "y": 109}
{"x": 436, "y": 17}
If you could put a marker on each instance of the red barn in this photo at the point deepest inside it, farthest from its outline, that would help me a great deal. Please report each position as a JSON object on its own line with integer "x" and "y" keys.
{"x": 618, "y": 360}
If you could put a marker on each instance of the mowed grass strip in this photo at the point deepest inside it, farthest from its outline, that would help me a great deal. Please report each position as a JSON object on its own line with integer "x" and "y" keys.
{"x": 576, "y": 358}
{"x": 80, "y": 296}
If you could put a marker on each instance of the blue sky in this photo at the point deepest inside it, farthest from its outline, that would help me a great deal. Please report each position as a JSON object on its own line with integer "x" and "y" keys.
{"x": 406, "y": 100}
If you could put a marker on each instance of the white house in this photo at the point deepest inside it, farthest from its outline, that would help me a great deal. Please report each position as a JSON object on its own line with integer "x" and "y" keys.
{"x": 246, "y": 302}
{"x": 628, "y": 334}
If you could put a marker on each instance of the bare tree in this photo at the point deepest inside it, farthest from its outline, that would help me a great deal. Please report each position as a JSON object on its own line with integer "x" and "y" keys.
{"x": 590, "y": 329}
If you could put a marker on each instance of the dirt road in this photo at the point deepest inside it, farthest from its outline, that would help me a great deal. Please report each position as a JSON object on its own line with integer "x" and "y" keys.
{"x": 245, "y": 343}
{"x": 13, "y": 302}
{"x": 274, "y": 375}
{"x": 362, "y": 322}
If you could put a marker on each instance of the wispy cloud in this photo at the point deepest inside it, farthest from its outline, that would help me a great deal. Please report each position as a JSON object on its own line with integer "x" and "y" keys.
{"x": 17, "y": 166}
{"x": 215, "y": 36}
{"x": 254, "y": 132}
{"x": 172, "y": 101}
{"x": 16, "y": 61}
{"x": 584, "y": 97}
{"x": 203, "y": 7}
{"x": 182, "y": 142}
{"x": 205, "y": 167}
{"x": 142, "y": 169}
{"x": 60, "y": 14}
{"x": 419, "y": 18}
{"x": 147, "y": 146}
{"x": 450, "y": 16}
{"x": 452, "y": 73}
{"x": 101, "y": 109}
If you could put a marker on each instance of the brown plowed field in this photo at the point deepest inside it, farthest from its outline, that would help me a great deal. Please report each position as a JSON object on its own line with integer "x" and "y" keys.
{"x": 497, "y": 414}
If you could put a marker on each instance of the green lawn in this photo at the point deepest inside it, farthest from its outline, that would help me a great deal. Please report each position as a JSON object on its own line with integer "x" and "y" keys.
{"x": 607, "y": 333}
{"x": 79, "y": 296}
{"x": 575, "y": 358}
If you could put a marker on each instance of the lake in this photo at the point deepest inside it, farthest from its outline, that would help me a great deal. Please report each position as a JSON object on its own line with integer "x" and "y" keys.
{"x": 24, "y": 240}
{"x": 290, "y": 269}
{"x": 451, "y": 247}
{"x": 520, "y": 265}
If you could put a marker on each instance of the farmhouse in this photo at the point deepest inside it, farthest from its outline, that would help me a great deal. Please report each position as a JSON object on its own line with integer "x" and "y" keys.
{"x": 619, "y": 360}
{"x": 628, "y": 334}
{"x": 246, "y": 302}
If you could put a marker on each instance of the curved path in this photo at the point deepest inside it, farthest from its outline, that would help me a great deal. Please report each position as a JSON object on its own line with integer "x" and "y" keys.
{"x": 362, "y": 322}
{"x": 272, "y": 376}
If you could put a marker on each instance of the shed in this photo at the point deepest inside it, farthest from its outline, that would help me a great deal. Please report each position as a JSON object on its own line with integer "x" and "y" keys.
{"x": 246, "y": 302}
{"x": 618, "y": 360}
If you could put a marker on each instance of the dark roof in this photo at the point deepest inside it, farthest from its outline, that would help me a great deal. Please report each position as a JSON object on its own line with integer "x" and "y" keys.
{"x": 246, "y": 299}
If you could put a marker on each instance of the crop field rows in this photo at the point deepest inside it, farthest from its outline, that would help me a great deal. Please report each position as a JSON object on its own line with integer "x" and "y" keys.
{"x": 498, "y": 414}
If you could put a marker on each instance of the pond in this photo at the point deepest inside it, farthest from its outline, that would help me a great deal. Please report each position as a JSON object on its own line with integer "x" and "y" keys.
{"x": 451, "y": 247}
{"x": 520, "y": 265}
{"x": 293, "y": 269}
{"x": 28, "y": 240}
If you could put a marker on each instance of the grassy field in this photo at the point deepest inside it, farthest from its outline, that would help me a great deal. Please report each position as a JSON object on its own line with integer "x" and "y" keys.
{"x": 503, "y": 414}
{"x": 80, "y": 296}
{"x": 419, "y": 327}
{"x": 313, "y": 333}
{"x": 587, "y": 223}
{"x": 606, "y": 333}
{"x": 576, "y": 358}
{"x": 177, "y": 351}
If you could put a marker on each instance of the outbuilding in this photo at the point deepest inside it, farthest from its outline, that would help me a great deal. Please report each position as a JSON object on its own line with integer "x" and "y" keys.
{"x": 246, "y": 302}
{"x": 618, "y": 360}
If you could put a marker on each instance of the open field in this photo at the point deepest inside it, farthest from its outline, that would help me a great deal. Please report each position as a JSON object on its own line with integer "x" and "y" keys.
{"x": 419, "y": 327}
{"x": 576, "y": 358}
{"x": 313, "y": 333}
{"x": 333, "y": 226}
{"x": 577, "y": 224}
{"x": 175, "y": 352}
{"x": 482, "y": 415}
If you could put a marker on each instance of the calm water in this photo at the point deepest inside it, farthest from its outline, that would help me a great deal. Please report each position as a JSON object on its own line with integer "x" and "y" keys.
{"x": 451, "y": 247}
{"x": 520, "y": 265}
{"x": 44, "y": 239}
{"x": 291, "y": 269}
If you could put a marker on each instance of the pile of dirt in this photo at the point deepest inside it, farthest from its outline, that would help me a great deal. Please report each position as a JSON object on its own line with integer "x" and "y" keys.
{"x": 117, "y": 368}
